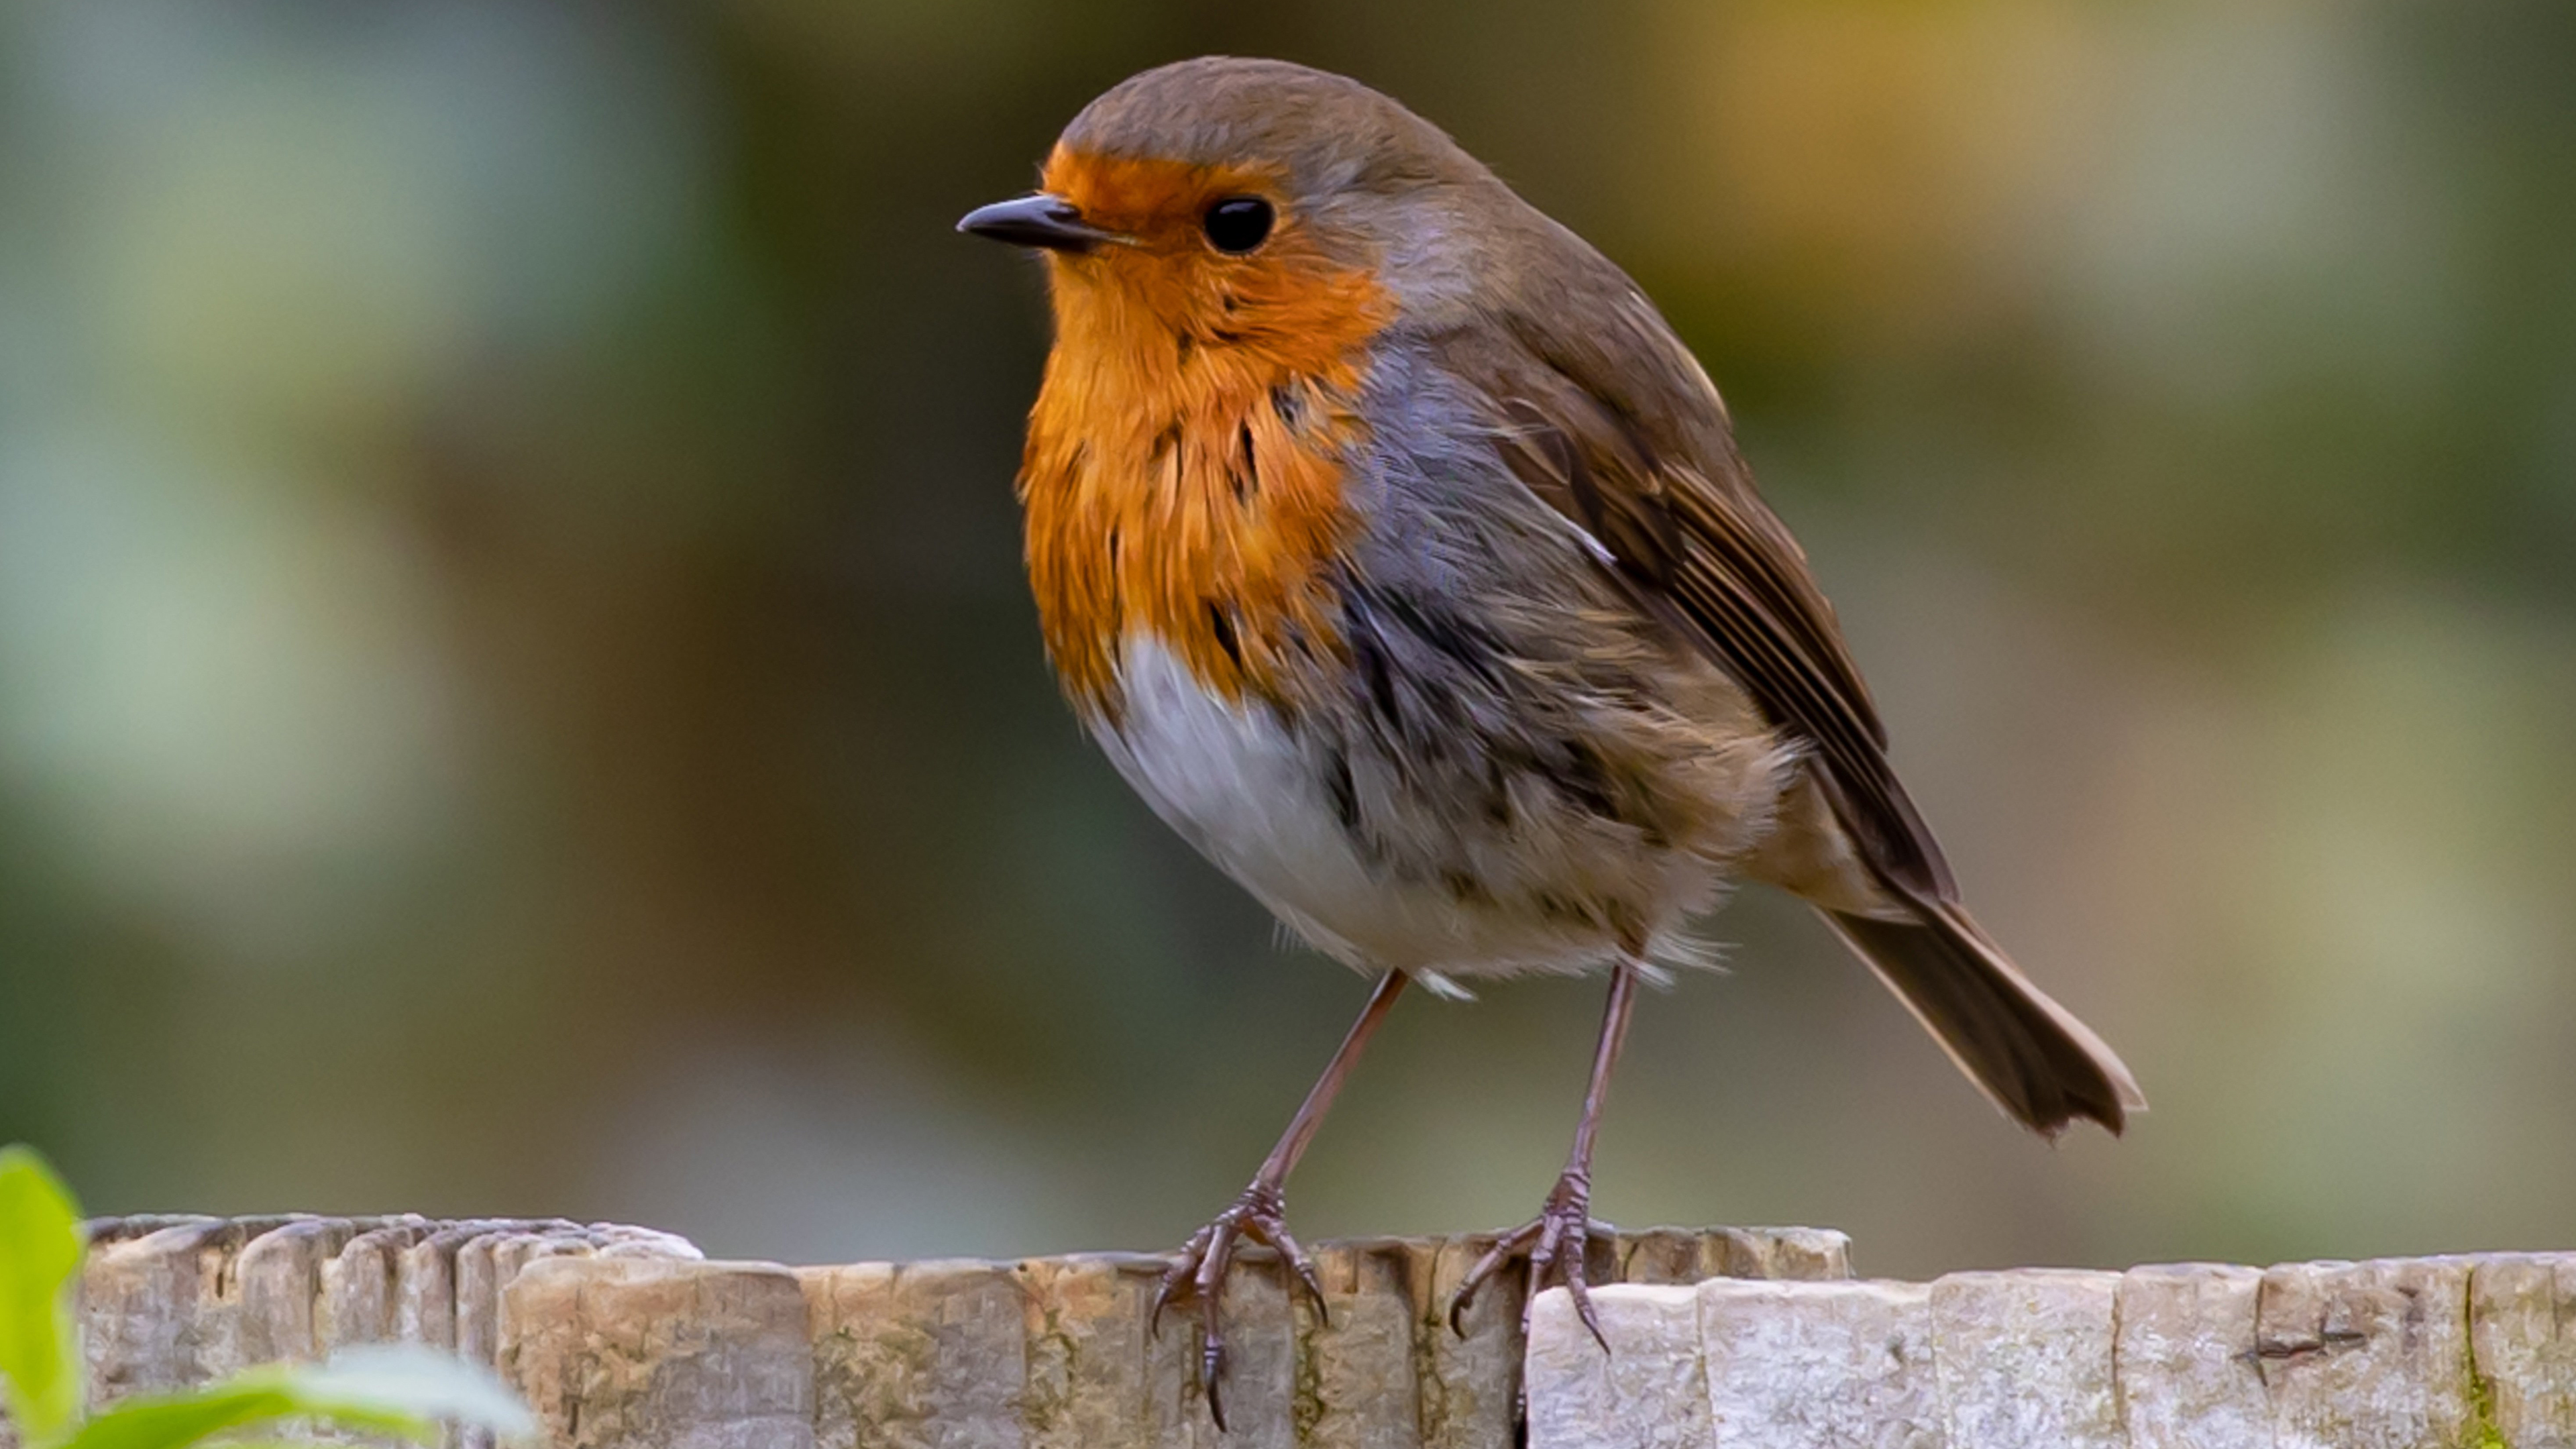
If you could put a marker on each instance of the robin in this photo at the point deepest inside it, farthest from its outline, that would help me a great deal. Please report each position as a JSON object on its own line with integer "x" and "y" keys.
{"x": 1398, "y": 553}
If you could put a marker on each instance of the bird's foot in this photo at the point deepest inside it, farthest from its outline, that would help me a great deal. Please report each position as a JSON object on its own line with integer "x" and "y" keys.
{"x": 1554, "y": 1243}
{"x": 1198, "y": 1273}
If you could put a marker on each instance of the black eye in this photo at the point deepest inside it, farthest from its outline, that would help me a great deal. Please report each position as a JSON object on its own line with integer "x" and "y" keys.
{"x": 1238, "y": 224}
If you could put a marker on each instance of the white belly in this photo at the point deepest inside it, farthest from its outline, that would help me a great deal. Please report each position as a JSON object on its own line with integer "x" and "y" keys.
{"x": 1233, "y": 782}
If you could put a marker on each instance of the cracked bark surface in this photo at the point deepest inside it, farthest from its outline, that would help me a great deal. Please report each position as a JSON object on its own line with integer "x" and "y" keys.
{"x": 2468, "y": 1352}
{"x": 1725, "y": 1337}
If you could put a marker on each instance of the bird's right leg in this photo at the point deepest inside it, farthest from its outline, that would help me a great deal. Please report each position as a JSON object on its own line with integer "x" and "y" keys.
{"x": 1260, "y": 1212}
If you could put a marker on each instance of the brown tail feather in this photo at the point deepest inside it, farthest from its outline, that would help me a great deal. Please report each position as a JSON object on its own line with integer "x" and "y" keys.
{"x": 2029, "y": 1054}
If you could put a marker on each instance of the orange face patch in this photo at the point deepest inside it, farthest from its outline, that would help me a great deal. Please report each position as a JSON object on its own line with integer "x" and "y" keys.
{"x": 1183, "y": 473}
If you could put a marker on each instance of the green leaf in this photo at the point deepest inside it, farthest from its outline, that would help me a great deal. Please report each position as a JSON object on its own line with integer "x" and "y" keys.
{"x": 167, "y": 1421}
{"x": 392, "y": 1389}
{"x": 40, "y": 1254}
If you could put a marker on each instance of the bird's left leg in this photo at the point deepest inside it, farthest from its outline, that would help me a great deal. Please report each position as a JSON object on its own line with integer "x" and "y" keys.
{"x": 1259, "y": 1213}
{"x": 1554, "y": 1241}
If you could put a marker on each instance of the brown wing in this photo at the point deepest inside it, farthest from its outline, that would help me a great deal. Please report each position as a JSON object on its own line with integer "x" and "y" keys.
{"x": 1600, "y": 410}
{"x": 1622, "y": 434}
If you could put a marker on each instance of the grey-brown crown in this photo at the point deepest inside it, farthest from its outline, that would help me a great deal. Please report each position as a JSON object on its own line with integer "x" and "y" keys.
{"x": 1329, "y": 132}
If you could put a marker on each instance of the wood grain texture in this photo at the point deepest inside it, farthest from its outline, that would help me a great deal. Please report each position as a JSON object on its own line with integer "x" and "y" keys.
{"x": 622, "y": 1338}
{"x": 2426, "y": 1353}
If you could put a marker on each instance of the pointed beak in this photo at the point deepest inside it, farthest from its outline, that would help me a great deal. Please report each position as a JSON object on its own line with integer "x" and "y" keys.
{"x": 1036, "y": 221}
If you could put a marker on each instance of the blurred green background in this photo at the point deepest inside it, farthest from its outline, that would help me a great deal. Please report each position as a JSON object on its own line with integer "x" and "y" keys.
{"x": 517, "y": 695}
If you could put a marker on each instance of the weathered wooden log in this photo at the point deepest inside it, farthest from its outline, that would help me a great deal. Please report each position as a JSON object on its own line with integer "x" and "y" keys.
{"x": 622, "y": 1338}
{"x": 2430, "y": 1353}
{"x": 171, "y": 1301}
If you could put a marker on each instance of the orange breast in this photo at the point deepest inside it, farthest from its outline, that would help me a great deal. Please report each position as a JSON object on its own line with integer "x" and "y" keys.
{"x": 1185, "y": 458}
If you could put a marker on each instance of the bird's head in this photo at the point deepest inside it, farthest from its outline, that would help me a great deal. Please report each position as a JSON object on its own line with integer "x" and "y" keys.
{"x": 1255, "y": 205}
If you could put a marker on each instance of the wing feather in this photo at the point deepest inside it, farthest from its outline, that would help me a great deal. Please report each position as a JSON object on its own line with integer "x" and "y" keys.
{"x": 1659, "y": 485}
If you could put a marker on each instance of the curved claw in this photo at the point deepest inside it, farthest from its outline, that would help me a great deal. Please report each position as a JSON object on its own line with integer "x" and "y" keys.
{"x": 1304, "y": 1268}
{"x": 1514, "y": 1244}
{"x": 1198, "y": 1273}
{"x": 1184, "y": 1264}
